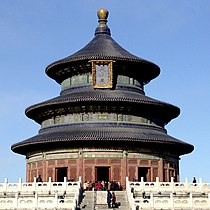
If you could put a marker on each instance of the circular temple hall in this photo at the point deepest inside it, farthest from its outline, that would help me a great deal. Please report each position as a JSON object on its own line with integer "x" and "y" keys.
{"x": 102, "y": 126}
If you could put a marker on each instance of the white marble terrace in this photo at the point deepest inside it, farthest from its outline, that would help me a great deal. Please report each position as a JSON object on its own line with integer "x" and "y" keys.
{"x": 39, "y": 195}
{"x": 168, "y": 195}
{"x": 141, "y": 195}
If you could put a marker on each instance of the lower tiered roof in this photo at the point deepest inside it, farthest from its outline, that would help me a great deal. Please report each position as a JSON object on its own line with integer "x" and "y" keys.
{"x": 124, "y": 135}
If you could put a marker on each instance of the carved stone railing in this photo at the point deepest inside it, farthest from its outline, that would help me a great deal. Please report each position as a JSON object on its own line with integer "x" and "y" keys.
{"x": 34, "y": 195}
{"x": 168, "y": 195}
{"x": 130, "y": 196}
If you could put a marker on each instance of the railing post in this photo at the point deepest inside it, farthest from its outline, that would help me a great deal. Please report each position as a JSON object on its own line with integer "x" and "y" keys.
{"x": 20, "y": 184}
{"x": 172, "y": 184}
{"x": 56, "y": 199}
{"x": 50, "y": 183}
{"x": 34, "y": 183}
{"x": 142, "y": 183}
{"x": 191, "y": 201}
{"x": 80, "y": 181}
{"x": 64, "y": 179}
{"x": 172, "y": 200}
{"x": 5, "y": 184}
{"x": 186, "y": 179}
{"x": 186, "y": 184}
{"x": 36, "y": 199}
{"x": 151, "y": 201}
{"x": 200, "y": 184}
{"x": 157, "y": 183}
{"x": 126, "y": 179}
{"x": 65, "y": 183}
{"x": 16, "y": 199}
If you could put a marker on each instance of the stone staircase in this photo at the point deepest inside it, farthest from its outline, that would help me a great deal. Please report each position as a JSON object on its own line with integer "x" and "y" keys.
{"x": 96, "y": 200}
{"x": 88, "y": 201}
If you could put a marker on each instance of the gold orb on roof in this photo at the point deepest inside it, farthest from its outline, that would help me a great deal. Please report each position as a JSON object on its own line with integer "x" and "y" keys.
{"x": 102, "y": 14}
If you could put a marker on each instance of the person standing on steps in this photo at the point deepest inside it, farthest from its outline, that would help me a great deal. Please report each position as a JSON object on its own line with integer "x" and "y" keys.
{"x": 109, "y": 198}
{"x": 113, "y": 200}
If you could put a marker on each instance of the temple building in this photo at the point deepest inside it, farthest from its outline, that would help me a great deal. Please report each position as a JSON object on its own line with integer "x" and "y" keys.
{"x": 102, "y": 126}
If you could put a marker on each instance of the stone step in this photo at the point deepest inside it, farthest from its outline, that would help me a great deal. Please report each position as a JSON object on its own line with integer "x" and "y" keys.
{"x": 106, "y": 208}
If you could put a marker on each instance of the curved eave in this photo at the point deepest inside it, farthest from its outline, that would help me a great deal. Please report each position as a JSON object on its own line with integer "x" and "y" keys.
{"x": 103, "y": 47}
{"x": 104, "y": 97}
{"x": 105, "y": 136}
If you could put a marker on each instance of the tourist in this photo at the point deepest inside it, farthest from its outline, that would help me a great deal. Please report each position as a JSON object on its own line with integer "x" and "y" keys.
{"x": 194, "y": 181}
{"x": 115, "y": 186}
{"x": 89, "y": 186}
{"x": 98, "y": 186}
{"x": 109, "y": 198}
{"x": 143, "y": 194}
{"x": 113, "y": 200}
{"x": 85, "y": 186}
{"x": 111, "y": 185}
{"x": 39, "y": 179}
{"x": 103, "y": 185}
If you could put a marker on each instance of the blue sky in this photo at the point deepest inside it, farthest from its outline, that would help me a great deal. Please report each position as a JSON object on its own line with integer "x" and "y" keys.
{"x": 175, "y": 35}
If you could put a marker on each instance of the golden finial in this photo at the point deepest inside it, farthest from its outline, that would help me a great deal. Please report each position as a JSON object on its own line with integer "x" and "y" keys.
{"x": 103, "y": 14}
{"x": 102, "y": 20}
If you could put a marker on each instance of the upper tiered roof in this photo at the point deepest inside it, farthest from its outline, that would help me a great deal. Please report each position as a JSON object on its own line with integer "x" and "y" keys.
{"x": 103, "y": 47}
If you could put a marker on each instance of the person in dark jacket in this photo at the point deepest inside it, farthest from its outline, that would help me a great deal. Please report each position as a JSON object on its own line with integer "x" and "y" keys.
{"x": 39, "y": 179}
{"x": 194, "y": 181}
{"x": 109, "y": 198}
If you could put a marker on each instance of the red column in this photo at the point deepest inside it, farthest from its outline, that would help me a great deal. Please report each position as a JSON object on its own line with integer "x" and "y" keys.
{"x": 124, "y": 169}
{"x": 80, "y": 166}
{"x": 161, "y": 170}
